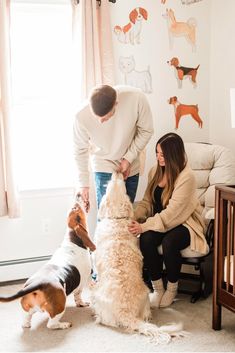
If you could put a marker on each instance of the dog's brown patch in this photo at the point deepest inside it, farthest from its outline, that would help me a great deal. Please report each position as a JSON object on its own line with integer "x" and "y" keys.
{"x": 52, "y": 299}
{"x": 77, "y": 222}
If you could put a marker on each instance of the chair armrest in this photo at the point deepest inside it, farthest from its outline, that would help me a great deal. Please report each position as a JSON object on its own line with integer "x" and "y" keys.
{"x": 210, "y": 234}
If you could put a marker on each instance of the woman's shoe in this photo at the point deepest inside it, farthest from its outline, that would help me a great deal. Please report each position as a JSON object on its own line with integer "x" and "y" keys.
{"x": 169, "y": 295}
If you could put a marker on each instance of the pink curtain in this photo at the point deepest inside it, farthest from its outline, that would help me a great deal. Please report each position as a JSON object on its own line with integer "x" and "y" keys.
{"x": 93, "y": 42}
{"x": 9, "y": 203}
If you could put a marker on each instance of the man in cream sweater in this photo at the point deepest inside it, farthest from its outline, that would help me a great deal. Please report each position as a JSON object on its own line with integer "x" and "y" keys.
{"x": 112, "y": 128}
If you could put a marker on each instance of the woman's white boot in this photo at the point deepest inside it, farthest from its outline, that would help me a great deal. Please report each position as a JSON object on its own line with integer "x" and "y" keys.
{"x": 169, "y": 295}
{"x": 156, "y": 296}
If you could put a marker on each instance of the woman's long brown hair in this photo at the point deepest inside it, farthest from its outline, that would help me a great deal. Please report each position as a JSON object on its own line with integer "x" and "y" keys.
{"x": 175, "y": 161}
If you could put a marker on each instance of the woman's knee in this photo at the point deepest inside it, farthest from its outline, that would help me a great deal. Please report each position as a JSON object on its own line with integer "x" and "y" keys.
{"x": 169, "y": 244}
{"x": 147, "y": 240}
{"x": 175, "y": 240}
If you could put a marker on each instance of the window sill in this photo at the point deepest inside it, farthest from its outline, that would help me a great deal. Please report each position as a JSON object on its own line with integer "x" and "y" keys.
{"x": 51, "y": 192}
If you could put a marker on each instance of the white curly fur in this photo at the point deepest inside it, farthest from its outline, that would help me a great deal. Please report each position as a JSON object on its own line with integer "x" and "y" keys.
{"x": 120, "y": 297}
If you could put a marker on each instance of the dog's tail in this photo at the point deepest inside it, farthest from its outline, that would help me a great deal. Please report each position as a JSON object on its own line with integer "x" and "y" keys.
{"x": 196, "y": 68}
{"x": 159, "y": 335}
{"x": 192, "y": 22}
{"x": 22, "y": 292}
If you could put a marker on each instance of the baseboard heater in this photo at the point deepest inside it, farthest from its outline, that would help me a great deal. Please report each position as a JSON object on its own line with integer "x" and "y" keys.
{"x": 14, "y": 270}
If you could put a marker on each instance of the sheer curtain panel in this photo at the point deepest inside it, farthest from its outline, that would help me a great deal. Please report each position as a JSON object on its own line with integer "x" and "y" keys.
{"x": 9, "y": 203}
{"x": 93, "y": 44}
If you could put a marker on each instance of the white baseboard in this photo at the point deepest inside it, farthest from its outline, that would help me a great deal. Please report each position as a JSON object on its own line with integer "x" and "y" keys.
{"x": 20, "y": 269}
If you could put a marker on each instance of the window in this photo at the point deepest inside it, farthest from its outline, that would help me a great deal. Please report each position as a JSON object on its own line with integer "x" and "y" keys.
{"x": 43, "y": 93}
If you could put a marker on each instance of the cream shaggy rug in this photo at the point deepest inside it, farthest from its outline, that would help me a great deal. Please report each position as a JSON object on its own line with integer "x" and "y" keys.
{"x": 86, "y": 336}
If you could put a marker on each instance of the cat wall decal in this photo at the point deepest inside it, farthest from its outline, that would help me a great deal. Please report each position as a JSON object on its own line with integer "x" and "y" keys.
{"x": 132, "y": 77}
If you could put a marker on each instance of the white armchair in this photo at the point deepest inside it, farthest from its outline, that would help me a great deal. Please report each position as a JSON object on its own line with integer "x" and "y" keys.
{"x": 212, "y": 164}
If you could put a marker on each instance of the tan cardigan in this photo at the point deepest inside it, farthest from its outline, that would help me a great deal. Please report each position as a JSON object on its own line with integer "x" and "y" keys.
{"x": 183, "y": 208}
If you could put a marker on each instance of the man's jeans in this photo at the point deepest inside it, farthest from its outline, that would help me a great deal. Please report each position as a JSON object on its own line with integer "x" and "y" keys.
{"x": 102, "y": 179}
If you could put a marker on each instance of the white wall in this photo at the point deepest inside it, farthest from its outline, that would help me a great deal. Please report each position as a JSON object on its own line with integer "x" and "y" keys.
{"x": 25, "y": 237}
{"x": 222, "y": 72}
{"x": 29, "y": 236}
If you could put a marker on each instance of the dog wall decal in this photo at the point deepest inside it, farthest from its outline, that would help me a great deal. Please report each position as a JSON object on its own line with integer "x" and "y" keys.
{"x": 184, "y": 110}
{"x": 189, "y": 2}
{"x": 180, "y": 29}
{"x": 184, "y": 2}
{"x": 132, "y": 77}
{"x": 183, "y": 72}
{"x": 130, "y": 33}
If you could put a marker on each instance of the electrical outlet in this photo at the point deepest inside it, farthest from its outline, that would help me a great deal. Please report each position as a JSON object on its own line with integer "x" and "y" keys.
{"x": 46, "y": 226}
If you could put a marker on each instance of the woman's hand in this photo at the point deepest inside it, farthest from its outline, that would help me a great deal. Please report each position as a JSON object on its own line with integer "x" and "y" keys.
{"x": 135, "y": 228}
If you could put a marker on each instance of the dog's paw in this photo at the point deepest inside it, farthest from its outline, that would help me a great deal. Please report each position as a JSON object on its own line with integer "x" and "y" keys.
{"x": 64, "y": 325}
{"x": 26, "y": 325}
{"x": 60, "y": 325}
{"x": 180, "y": 334}
{"x": 147, "y": 317}
{"x": 81, "y": 303}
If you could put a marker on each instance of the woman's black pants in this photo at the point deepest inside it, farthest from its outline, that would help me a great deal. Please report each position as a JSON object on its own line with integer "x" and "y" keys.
{"x": 172, "y": 242}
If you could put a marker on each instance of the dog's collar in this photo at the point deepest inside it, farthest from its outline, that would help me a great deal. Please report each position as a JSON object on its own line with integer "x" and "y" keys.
{"x": 116, "y": 218}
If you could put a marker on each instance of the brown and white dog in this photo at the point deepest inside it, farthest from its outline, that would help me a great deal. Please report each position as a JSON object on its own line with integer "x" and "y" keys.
{"x": 67, "y": 271}
{"x": 182, "y": 72}
{"x": 184, "y": 109}
{"x": 130, "y": 33}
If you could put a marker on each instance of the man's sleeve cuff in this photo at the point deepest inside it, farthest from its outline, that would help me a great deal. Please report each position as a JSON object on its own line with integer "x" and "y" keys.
{"x": 129, "y": 157}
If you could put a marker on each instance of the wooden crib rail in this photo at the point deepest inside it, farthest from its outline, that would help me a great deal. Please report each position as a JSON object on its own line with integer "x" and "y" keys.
{"x": 224, "y": 251}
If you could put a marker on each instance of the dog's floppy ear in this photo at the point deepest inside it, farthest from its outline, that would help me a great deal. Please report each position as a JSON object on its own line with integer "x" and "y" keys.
{"x": 133, "y": 16}
{"x": 116, "y": 176}
{"x": 120, "y": 176}
{"x": 102, "y": 209}
{"x": 77, "y": 222}
{"x": 82, "y": 233}
{"x": 144, "y": 13}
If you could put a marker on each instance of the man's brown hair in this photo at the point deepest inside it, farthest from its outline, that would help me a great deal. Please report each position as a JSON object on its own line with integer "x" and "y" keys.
{"x": 102, "y": 99}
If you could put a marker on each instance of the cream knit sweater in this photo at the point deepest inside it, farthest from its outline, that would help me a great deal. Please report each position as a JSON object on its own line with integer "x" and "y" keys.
{"x": 124, "y": 135}
{"x": 183, "y": 208}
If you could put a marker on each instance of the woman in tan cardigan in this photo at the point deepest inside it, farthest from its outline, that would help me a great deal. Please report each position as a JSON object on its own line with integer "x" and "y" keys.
{"x": 169, "y": 215}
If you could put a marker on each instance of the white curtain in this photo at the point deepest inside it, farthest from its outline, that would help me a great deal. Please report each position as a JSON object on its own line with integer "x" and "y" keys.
{"x": 9, "y": 202}
{"x": 93, "y": 43}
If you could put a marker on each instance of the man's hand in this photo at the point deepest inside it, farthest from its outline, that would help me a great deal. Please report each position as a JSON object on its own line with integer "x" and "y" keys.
{"x": 124, "y": 168}
{"x": 84, "y": 192}
{"x": 135, "y": 228}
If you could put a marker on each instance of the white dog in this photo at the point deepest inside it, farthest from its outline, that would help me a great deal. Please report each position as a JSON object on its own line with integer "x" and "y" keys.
{"x": 120, "y": 297}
